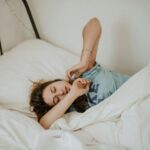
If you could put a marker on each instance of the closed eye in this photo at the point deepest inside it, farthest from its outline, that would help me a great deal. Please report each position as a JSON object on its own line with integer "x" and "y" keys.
{"x": 53, "y": 89}
{"x": 56, "y": 100}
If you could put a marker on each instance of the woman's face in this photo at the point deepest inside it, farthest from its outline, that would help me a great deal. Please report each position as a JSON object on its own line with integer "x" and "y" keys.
{"x": 55, "y": 92}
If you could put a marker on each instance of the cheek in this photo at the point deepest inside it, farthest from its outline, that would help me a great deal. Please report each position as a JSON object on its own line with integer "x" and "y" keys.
{"x": 50, "y": 103}
{"x": 46, "y": 97}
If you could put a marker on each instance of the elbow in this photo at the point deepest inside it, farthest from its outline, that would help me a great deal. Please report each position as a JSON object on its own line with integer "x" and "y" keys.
{"x": 95, "y": 21}
{"x": 44, "y": 123}
{"x": 94, "y": 26}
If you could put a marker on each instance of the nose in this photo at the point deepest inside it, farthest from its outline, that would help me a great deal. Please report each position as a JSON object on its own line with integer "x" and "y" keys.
{"x": 60, "y": 93}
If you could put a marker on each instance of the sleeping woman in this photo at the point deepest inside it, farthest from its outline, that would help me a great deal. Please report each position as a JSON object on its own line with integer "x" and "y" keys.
{"x": 87, "y": 83}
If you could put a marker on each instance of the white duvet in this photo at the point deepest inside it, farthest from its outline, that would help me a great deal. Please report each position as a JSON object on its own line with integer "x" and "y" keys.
{"x": 121, "y": 122}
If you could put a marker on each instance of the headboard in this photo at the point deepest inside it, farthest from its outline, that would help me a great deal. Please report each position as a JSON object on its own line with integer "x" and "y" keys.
{"x": 1, "y": 51}
{"x": 30, "y": 16}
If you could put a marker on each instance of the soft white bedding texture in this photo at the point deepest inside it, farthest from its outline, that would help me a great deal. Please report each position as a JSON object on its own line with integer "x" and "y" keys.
{"x": 120, "y": 122}
{"x": 30, "y": 61}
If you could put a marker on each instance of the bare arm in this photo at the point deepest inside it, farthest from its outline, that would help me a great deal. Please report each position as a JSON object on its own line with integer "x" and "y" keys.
{"x": 57, "y": 111}
{"x": 91, "y": 35}
{"x": 79, "y": 87}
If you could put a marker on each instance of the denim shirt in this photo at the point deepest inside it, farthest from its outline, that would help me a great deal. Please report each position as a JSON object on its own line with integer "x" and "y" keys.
{"x": 104, "y": 83}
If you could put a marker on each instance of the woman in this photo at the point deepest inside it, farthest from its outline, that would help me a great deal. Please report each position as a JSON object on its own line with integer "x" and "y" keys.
{"x": 86, "y": 83}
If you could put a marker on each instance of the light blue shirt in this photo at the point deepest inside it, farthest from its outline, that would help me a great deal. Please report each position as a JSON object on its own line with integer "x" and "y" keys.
{"x": 104, "y": 83}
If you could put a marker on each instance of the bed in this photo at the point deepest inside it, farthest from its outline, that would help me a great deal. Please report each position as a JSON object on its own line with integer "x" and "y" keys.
{"x": 120, "y": 122}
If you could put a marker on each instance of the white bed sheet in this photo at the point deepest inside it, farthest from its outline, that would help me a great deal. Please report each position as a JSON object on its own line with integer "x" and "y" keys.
{"x": 18, "y": 132}
{"x": 121, "y": 122}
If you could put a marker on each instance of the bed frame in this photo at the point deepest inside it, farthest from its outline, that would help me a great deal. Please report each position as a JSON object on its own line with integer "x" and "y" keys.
{"x": 31, "y": 20}
{"x": 1, "y": 51}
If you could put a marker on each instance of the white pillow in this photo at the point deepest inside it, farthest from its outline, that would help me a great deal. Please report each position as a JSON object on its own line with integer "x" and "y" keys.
{"x": 31, "y": 60}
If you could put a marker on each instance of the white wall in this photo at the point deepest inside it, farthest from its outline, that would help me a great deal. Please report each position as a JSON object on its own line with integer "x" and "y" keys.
{"x": 124, "y": 44}
{"x": 15, "y": 26}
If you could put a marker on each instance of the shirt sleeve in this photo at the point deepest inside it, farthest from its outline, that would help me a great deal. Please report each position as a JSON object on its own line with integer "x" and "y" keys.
{"x": 90, "y": 74}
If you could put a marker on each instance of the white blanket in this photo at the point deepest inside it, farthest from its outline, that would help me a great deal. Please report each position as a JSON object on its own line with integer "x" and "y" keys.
{"x": 121, "y": 122}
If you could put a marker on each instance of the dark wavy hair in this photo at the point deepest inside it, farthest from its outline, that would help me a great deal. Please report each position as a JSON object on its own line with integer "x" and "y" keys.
{"x": 38, "y": 105}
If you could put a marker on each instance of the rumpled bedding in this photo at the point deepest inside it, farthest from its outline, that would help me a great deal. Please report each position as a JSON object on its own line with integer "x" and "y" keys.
{"x": 121, "y": 122}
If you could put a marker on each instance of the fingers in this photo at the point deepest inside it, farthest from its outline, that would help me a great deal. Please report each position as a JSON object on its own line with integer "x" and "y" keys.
{"x": 76, "y": 69}
{"x": 69, "y": 74}
{"x": 72, "y": 74}
{"x": 83, "y": 83}
{"x": 80, "y": 86}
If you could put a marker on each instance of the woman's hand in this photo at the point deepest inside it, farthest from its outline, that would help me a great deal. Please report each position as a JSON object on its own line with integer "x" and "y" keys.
{"x": 77, "y": 69}
{"x": 80, "y": 86}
